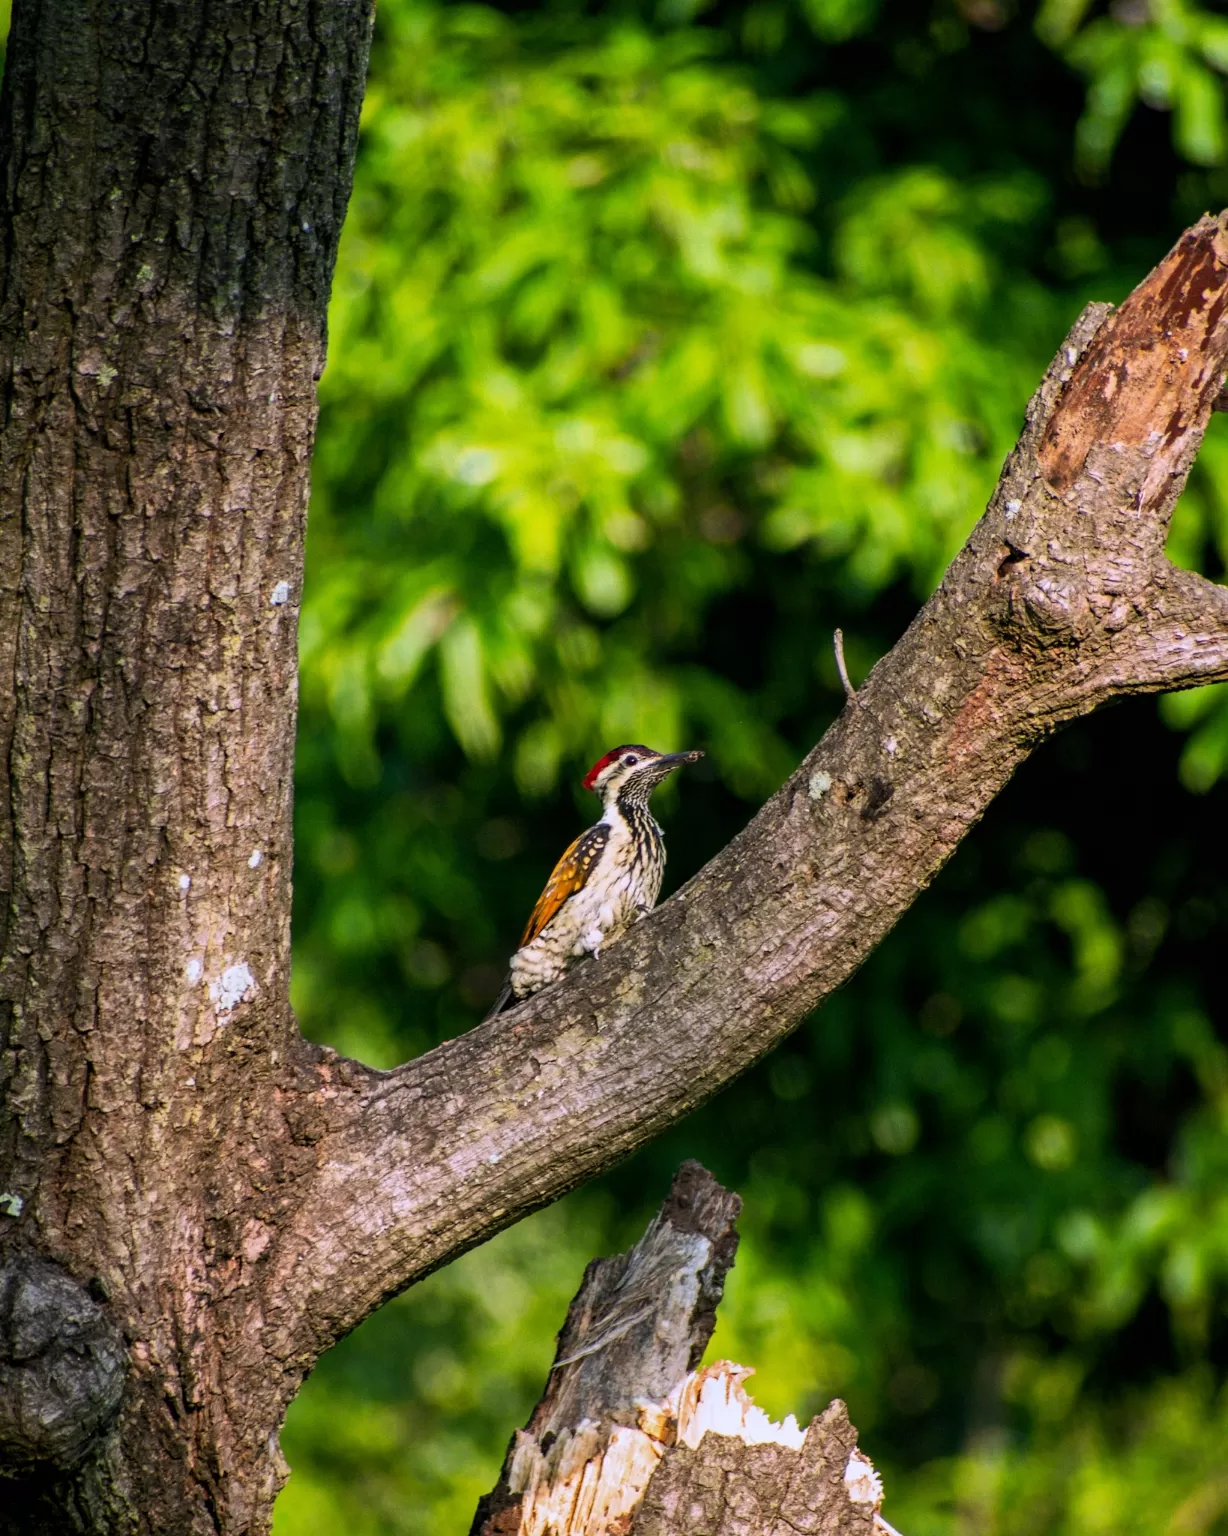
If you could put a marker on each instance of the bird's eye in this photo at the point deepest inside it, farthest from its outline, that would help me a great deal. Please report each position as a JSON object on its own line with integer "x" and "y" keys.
{"x": 630, "y": 760}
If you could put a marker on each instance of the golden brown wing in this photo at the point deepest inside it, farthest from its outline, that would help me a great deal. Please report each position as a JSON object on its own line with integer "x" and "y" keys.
{"x": 570, "y": 874}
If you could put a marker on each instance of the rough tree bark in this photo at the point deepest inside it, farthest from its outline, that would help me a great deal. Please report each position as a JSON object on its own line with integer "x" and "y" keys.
{"x": 172, "y": 183}
{"x": 193, "y": 1202}
{"x": 631, "y": 1438}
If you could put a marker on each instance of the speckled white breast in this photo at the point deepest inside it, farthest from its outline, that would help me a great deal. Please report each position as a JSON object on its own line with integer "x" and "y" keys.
{"x": 620, "y": 890}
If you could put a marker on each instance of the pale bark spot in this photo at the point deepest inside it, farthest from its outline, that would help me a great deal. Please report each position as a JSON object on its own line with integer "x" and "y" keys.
{"x": 232, "y": 987}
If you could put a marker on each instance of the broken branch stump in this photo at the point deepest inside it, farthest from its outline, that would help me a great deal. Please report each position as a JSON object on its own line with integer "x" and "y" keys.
{"x": 631, "y": 1438}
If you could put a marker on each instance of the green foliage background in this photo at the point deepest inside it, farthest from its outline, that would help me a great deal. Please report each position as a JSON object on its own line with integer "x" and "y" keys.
{"x": 667, "y": 337}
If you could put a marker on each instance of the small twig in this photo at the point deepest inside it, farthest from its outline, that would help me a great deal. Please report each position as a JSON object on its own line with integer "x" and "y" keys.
{"x": 850, "y": 693}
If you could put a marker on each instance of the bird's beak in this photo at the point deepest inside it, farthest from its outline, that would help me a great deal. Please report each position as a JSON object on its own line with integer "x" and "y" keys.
{"x": 676, "y": 759}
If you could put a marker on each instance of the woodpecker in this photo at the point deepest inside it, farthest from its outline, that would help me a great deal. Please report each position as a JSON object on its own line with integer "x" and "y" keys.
{"x": 608, "y": 879}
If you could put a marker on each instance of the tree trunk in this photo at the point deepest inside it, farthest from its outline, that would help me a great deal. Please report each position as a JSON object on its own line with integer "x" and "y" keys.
{"x": 172, "y": 183}
{"x": 194, "y": 1204}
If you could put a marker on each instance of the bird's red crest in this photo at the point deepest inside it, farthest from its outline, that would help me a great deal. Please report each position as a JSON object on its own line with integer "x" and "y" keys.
{"x": 591, "y": 777}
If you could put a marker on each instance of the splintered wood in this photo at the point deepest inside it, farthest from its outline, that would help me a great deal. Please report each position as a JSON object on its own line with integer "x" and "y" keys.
{"x": 1153, "y": 371}
{"x": 767, "y": 1477}
{"x": 607, "y": 1452}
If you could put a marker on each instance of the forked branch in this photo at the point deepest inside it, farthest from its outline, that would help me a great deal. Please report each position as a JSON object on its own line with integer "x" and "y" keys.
{"x": 1061, "y": 599}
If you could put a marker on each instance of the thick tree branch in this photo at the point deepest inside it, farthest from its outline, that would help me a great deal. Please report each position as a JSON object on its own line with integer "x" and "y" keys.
{"x": 1061, "y": 599}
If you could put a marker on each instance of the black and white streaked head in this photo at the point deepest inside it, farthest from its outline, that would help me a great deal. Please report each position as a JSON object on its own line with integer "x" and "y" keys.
{"x": 629, "y": 774}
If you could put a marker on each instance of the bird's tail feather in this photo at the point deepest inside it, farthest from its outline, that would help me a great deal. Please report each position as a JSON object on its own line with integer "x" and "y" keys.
{"x": 504, "y": 1000}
